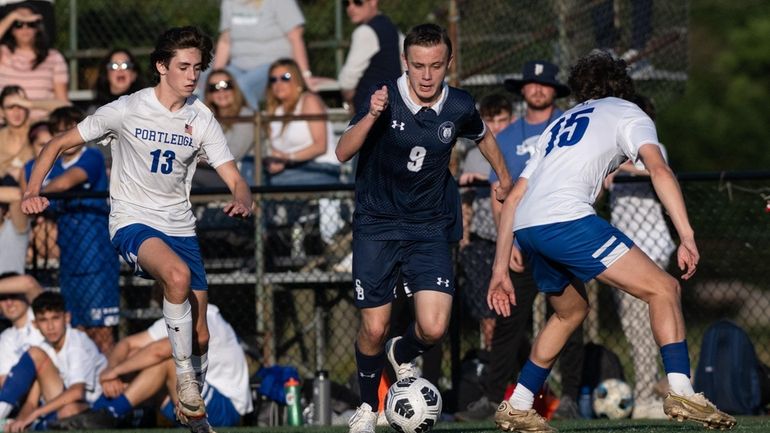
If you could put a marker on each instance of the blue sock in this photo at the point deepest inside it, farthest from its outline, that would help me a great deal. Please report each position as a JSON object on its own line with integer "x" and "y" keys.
{"x": 675, "y": 358}
{"x": 409, "y": 346}
{"x": 369, "y": 373}
{"x": 19, "y": 380}
{"x": 118, "y": 406}
{"x": 533, "y": 376}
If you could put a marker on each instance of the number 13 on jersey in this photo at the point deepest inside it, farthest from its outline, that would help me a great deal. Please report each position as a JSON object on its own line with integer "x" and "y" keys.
{"x": 569, "y": 131}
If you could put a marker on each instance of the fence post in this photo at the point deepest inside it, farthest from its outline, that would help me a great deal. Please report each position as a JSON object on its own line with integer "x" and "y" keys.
{"x": 73, "y": 44}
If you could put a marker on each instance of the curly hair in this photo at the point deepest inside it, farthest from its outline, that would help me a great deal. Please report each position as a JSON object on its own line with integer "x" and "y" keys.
{"x": 178, "y": 38}
{"x": 599, "y": 75}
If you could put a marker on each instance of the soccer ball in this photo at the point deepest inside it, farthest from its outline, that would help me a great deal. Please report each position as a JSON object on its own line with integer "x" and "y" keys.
{"x": 412, "y": 405}
{"x": 613, "y": 399}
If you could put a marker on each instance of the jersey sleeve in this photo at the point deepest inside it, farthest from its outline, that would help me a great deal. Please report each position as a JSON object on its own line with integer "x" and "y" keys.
{"x": 634, "y": 130}
{"x": 158, "y": 330}
{"x": 7, "y": 352}
{"x": 474, "y": 127}
{"x": 214, "y": 145}
{"x": 106, "y": 120}
{"x": 538, "y": 155}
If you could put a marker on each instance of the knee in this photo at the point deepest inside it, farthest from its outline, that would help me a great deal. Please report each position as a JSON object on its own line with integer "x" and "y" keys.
{"x": 177, "y": 279}
{"x": 203, "y": 337}
{"x": 431, "y": 333}
{"x": 575, "y": 315}
{"x": 373, "y": 334}
{"x": 37, "y": 355}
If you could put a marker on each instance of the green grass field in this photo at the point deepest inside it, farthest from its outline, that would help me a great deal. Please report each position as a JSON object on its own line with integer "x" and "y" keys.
{"x": 745, "y": 425}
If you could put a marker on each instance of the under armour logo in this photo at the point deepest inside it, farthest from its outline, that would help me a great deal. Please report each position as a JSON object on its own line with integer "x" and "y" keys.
{"x": 173, "y": 328}
{"x": 440, "y": 281}
{"x": 359, "y": 290}
{"x": 366, "y": 376}
{"x": 398, "y": 125}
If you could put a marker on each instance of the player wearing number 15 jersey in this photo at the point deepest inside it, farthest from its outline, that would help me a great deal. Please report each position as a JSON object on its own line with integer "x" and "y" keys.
{"x": 408, "y": 207}
{"x": 158, "y": 134}
{"x": 561, "y": 238}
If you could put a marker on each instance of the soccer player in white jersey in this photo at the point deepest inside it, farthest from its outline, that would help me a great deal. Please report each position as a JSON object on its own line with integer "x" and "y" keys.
{"x": 158, "y": 134}
{"x": 66, "y": 367}
{"x": 550, "y": 212}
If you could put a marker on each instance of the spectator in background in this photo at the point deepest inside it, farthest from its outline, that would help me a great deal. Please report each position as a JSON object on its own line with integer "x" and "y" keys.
{"x": 637, "y": 211}
{"x": 301, "y": 151}
{"x": 225, "y": 99}
{"x": 14, "y": 228}
{"x": 479, "y": 233}
{"x": 119, "y": 74}
{"x": 254, "y": 34}
{"x": 27, "y": 60}
{"x": 14, "y": 144}
{"x": 89, "y": 266}
{"x": 16, "y": 294}
{"x": 44, "y": 231}
{"x": 375, "y": 52}
{"x": 44, "y": 7}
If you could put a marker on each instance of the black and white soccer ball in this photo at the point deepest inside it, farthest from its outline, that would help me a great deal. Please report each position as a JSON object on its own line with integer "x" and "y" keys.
{"x": 413, "y": 405}
{"x": 613, "y": 399}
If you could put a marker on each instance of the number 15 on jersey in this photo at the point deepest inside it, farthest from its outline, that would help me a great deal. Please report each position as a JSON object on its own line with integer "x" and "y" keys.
{"x": 569, "y": 131}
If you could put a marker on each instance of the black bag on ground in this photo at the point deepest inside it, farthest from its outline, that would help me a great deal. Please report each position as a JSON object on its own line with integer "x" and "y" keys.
{"x": 729, "y": 372}
{"x": 600, "y": 363}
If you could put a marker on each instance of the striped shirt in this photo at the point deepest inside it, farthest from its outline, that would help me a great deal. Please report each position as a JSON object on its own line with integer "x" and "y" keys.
{"x": 16, "y": 68}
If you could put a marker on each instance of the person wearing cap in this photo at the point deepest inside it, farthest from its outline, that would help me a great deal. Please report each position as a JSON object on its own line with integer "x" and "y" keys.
{"x": 539, "y": 88}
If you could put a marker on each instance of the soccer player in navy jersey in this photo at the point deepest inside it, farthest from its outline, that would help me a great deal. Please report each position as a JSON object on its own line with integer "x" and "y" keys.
{"x": 408, "y": 207}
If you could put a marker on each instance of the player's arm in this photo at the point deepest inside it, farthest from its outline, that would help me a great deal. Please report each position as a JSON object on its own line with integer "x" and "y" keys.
{"x": 489, "y": 148}
{"x": 149, "y": 355}
{"x": 32, "y": 202}
{"x": 12, "y": 196}
{"x": 112, "y": 386}
{"x": 222, "y": 53}
{"x": 500, "y": 294}
{"x": 73, "y": 393}
{"x": 353, "y": 138}
{"x": 667, "y": 188}
{"x": 25, "y": 285}
{"x": 242, "y": 203}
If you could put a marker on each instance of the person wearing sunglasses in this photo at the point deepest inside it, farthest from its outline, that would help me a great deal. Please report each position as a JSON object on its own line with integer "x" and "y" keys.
{"x": 27, "y": 60}
{"x": 255, "y": 33}
{"x": 225, "y": 99}
{"x": 119, "y": 74}
{"x": 374, "y": 54}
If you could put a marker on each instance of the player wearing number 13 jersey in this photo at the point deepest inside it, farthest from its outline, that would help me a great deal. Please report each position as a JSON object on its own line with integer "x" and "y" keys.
{"x": 561, "y": 238}
{"x": 158, "y": 134}
{"x": 408, "y": 207}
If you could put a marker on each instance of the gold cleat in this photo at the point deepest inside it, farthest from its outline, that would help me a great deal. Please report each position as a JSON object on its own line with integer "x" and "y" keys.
{"x": 696, "y": 408}
{"x": 509, "y": 419}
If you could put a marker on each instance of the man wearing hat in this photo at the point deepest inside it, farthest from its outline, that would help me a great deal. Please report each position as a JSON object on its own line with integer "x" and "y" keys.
{"x": 539, "y": 88}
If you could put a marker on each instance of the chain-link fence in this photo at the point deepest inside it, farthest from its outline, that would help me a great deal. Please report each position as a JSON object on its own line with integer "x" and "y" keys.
{"x": 286, "y": 285}
{"x": 494, "y": 38}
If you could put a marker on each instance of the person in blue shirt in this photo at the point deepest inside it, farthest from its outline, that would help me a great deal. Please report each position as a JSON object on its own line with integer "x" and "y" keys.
{"x": 408, "y": 207}
{"x": 89, "y": 266}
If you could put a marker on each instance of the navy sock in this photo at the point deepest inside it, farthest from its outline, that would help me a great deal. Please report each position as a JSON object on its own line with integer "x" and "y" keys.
{"x": 409, "y": 346}
{"x": 118, "y": 406}
{"x": 369, "y": 373}
{"x": 675, "y": 358}
{"x": 533, "y": 376}
{"x": 19, "y": 380}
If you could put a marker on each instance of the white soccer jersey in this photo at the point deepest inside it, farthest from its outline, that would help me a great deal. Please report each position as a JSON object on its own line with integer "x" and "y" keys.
{"x": 15, "y": 341}
{"x": 154, "y": 154}
{"x": 228, "y": 372}
{"x": 575, "y": 154}
{"x": 78, "y": 361}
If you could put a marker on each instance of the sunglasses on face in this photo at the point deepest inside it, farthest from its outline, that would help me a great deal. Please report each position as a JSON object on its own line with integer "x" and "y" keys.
{"x": 284, "y": 77}
{"x": 220, "y": 85}
{"x": 347, "y": 3}
{"x": 14, "y": 106}
{"x": 122, "y": 66}
{"x": 28, "y": 24}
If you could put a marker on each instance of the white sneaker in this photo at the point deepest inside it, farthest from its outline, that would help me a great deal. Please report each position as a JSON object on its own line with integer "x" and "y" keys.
{"x": 648, "y": 409}
{"x": 191, "y": 403}
{"x": 364, "y": 420}
{"x": 407, "y": 369}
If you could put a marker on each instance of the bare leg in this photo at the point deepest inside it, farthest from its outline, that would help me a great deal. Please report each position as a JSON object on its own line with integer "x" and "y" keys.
{"x": 570, "y": 309}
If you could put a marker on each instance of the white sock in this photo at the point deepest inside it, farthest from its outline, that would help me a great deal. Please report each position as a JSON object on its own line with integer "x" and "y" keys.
{"x": 180, "y": 332}
{"x": 5, "y": 409}
{"x": 680, "y": 384}
{"x": 201, "y": 366}
{"x": 522, "y": 398}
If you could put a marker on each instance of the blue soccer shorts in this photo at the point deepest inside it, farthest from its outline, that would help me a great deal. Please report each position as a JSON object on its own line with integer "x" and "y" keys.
{"x": 128, "y": 239}
{"x": 422, "y": 265}
{"x": 219, "y": 409}
{"x": 583, "y": 248}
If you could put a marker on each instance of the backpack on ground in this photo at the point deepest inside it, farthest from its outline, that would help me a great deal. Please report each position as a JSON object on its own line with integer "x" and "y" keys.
{"x": 729, "y": 372}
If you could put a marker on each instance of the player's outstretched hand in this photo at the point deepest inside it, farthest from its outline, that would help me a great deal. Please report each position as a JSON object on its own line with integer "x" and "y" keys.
{"x": 687, "y": 257}
{"x": 33, "y": 204}
{"x": 236, "y": 208}
{"x": 378, "y": 102}
{"x": 500, "y": 294}
{"x": 502, "y": 190}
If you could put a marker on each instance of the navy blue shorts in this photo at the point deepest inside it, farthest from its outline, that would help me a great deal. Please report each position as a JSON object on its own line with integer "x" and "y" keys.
{"x": 128, "y": 239}
{"x": 422, "y": 265}
{"x": 583, "y": 248}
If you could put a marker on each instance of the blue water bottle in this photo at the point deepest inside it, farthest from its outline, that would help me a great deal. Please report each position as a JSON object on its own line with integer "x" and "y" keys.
{"x": 585, "y": 402}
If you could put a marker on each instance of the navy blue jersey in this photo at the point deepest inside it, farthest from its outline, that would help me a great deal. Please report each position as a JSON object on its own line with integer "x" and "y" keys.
{"x": 404, "y": 190}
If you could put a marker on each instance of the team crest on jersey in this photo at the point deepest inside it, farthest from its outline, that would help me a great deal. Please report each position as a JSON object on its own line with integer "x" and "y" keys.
{"x": 446, "y": 131}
